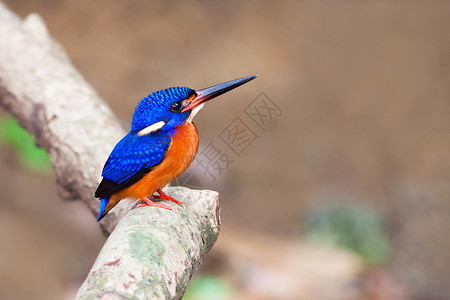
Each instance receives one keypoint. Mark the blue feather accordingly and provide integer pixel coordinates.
(130, 155)
(156, 107)
(103, 203)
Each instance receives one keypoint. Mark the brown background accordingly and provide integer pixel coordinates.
(364, 89)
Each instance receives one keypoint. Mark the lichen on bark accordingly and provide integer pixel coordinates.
(153, 252)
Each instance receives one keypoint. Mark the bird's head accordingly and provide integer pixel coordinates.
(172, 107)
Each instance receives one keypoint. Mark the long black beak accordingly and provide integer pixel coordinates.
(216, 90)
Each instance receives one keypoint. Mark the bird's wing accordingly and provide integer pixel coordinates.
(132, 158)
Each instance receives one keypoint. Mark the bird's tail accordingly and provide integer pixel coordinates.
(103, 211)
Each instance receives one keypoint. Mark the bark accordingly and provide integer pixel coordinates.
(153, 252)
(40, 87)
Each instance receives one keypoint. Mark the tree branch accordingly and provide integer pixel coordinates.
(40, 87)
(152, 253)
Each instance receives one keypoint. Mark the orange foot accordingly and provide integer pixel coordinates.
(149, 202)
(165, 197)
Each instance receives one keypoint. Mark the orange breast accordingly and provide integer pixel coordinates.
(181, 153)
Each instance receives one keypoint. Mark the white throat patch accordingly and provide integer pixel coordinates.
(151, 128)
(194, 112)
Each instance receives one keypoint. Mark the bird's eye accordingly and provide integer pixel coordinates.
(175, 107)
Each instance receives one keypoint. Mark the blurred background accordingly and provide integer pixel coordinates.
(335, 183)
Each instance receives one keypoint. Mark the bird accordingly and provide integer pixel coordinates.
(160, 146)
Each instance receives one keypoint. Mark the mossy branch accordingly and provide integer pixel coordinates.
(153, 252)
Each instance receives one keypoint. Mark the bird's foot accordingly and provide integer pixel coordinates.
(149, 202)
(162, 195)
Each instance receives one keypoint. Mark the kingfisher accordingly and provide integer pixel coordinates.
(160, 146)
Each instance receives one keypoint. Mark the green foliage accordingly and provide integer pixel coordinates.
(353, 227)
(31, 157)
(207, 288)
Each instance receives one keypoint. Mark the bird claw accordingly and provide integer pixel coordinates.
(162, 195)
(149, 202)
